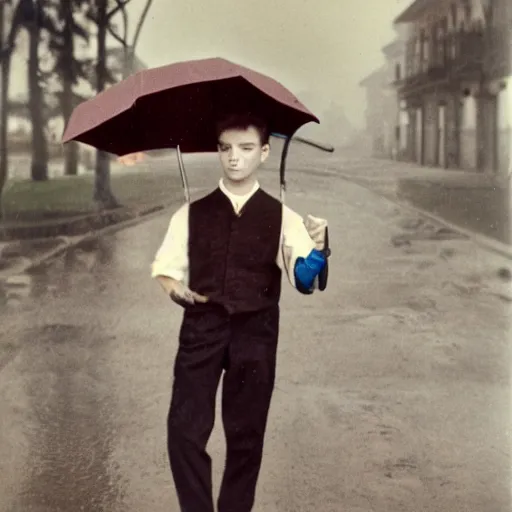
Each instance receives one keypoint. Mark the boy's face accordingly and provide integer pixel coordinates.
(241, 153)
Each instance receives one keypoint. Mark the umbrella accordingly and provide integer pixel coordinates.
(179, 105)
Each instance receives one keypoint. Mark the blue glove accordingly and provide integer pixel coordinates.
(307, 269)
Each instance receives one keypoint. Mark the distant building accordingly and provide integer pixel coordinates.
(386, 123)
(456, 87)
(397, 118)
(377, 122)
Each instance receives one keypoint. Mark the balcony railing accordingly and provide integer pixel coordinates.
(460, 55)
(498, 52)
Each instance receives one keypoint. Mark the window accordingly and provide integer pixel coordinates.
(434, 58)
(465, 23)
(442, 30)
(397, 72)
(424, 51)
(410, 57)
(467, 11)
(453, 16)
(489, 12)
(417, 55)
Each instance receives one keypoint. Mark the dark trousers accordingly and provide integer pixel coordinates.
(244, 347)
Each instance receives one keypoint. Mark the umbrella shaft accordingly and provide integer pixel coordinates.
(282, 169)
(184, 180)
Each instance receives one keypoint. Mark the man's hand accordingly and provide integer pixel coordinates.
(179, 293)
(316, 230)
(182, 295)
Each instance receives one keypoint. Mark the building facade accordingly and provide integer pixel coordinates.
(376, 124)
(455, 89)
(397, 119)
(385, 122)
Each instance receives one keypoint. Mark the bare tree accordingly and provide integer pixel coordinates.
(68, 68)
(103, 17)
(103, 195)
(129, 49)
(35, 23)
(4, 80)
(20, 12)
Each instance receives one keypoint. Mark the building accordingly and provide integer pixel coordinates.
(455, 88)
(397, 124)
(377, 103)
(386, 123)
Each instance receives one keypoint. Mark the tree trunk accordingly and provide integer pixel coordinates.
(103, 195)
(4, 73)
(39, 167)
(71, 157)
(102, 187)
(71, 148)
(4, 116)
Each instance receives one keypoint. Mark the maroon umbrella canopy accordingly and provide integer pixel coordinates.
(179, 105)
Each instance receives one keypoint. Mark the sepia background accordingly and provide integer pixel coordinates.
(395, 393)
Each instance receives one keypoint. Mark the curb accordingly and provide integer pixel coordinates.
(483, 241)
(74, 241)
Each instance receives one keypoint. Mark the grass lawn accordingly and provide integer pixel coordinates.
(28, 200)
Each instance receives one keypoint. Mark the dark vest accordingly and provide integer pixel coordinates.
(232, 258)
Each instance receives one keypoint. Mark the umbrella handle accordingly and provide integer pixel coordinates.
(183, 174)
(323, 277)
(282, 168)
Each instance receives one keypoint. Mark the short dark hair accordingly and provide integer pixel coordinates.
(243, 122)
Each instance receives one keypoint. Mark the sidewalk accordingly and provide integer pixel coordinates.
(33, 233)
(54, 237)
(473, 201)
(475, 204)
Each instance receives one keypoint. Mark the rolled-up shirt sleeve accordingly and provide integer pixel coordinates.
(171, 259)
(295, 242)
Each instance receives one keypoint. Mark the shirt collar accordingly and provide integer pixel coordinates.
(238, 200)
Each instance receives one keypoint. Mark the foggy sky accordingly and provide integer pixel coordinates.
(325, 46)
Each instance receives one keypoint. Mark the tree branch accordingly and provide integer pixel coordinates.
(125, 23)
(121, 4)
(16, 23)
(116, 36)
(140, 24)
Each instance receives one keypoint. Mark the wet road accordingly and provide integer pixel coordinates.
(392, 396)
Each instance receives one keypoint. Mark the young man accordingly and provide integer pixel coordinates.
(222, 259)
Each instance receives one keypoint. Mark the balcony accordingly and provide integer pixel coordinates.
(458, 56)
(498, 53)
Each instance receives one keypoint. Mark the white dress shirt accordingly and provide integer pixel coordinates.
(171, 259)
